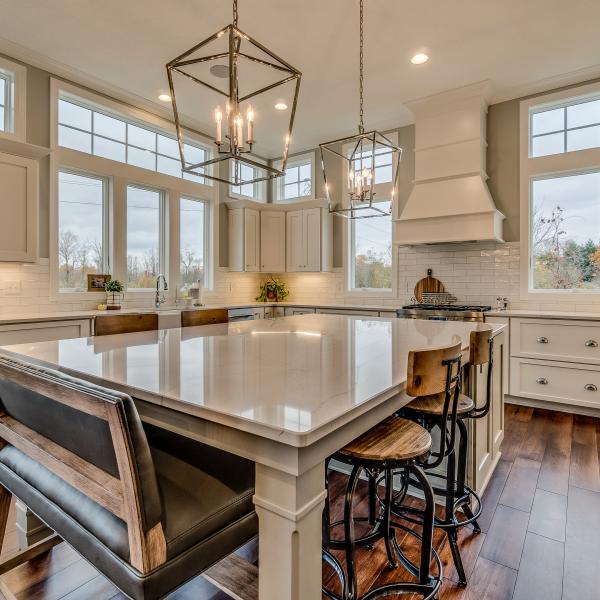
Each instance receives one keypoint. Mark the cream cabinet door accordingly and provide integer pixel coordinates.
(236, 239)
(18, 208)
(272, 241)
(312, 237)
(48, 331)
(296, 247)
(252, 240)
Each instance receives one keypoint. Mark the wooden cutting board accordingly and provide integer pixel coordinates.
(429, 285)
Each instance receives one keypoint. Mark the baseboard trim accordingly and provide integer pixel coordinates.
(556, 406)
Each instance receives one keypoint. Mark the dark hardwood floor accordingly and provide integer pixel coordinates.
(540, 529)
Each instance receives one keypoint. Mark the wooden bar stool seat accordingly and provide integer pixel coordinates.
(434, 404)
(393, 440)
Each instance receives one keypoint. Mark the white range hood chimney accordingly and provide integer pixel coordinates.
(450, 200)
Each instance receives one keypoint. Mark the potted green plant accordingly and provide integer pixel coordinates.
(273, 290)
(114, 293)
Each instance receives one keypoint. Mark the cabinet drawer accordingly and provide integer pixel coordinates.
(555, 382)
(577, 341)
(349, 312)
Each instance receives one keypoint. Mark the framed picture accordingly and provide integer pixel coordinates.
(96, 282)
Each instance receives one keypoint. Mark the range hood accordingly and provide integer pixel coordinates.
(450, 200)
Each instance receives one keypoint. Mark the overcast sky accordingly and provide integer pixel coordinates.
(579, 196)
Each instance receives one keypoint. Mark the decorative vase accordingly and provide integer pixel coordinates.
(272, 296)
(113, 300)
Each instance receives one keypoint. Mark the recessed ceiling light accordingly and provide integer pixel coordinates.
(164, 98)
(419, 59)
(281, 106)
(221, 71)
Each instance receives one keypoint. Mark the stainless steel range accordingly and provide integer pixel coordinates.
(443, 312)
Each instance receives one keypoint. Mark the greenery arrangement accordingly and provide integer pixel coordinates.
(273, 290)
(114, 286)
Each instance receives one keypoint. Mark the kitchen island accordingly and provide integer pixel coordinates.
(285, 393)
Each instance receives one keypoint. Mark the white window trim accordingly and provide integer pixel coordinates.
(294, 161)
(371, 293)
(120, 175)
(18, 102)
(553, 165)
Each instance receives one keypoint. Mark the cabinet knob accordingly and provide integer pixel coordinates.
(591, 344)
(542, 381)
(590, 387)
(542, 340)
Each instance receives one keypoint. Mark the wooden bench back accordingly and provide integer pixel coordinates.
(126, 323)
(92, 438)
(210, 316)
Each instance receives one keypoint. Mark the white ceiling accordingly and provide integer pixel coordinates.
(519, 45)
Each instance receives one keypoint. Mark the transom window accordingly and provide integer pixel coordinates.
(566, 128)
(93, 132)
(383, 164)
(82, 229)
(247, 190)
(297, 183)
(6, 101)
(371, 252)
(3, 102)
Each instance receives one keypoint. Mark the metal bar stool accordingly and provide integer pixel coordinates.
(395, 449)
(462, 504)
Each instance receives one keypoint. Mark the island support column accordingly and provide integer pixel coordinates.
(290, 510)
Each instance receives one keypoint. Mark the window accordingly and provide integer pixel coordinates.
(297, 183)
(193, 238)
(565, 237)
(88, 130)
(247, 190)
(81, 229)
(371, 252)
(4, 111)
(145, 258)
(383, 164)
(560, 195)
(572, 126)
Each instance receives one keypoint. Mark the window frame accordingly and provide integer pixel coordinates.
(15, 76)
(348, 243)
(576, 162)
(106, 246)
(120, 175)
(298, 160)
(259, 187)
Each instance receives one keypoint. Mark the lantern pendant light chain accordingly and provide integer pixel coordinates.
(361, 126)
(235, 13)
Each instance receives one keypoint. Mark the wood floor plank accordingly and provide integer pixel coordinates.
(504, 541)
(521, 484)
(536, 438)
(585, 468)
(514, 435)
(554, 474)
(492, 494)
(541, 569)
(490, 581)
(98, 588)
(581, 572)
(549, 515)
(470, 547)
(517, 412)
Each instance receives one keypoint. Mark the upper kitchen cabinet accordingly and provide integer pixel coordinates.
(244, 240)
(308, 240)
(18, 208)
(272, 241)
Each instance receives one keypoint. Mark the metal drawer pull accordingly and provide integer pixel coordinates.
(591, 344)
(590, 387)
(541, 381)
(542, 340)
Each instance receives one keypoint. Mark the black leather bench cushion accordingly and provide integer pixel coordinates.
(110, 530)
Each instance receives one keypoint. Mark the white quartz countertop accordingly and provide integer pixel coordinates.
(291, 379)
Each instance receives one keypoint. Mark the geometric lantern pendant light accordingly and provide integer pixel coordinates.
(208, 64)
(361, 171)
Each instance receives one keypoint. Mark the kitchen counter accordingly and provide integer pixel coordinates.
(545, 314)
